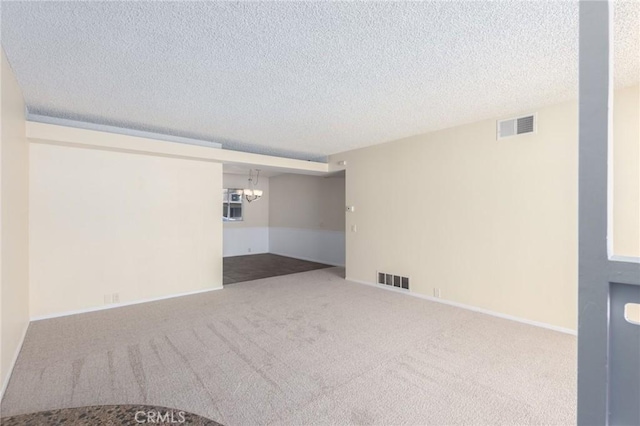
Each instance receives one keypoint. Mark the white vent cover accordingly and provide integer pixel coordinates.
(516, 126)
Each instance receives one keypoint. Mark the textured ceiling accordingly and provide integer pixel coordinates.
(299, 79)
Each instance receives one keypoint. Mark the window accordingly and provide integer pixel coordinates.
(231, 204)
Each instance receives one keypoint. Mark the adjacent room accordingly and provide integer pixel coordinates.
(430, 213)
(294, 224)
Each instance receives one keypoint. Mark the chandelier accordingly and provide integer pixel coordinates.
(251, 193)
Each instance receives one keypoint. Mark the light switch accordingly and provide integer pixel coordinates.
(354, 228)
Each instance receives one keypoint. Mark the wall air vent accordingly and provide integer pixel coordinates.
(393, 280)
(516, 126)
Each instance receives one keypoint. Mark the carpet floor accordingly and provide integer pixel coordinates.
(302, 349)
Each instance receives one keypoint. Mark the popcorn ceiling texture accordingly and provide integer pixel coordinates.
(300, 79)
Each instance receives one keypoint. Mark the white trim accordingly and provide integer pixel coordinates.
(120, 305)
(307, 259)
(469, 307)
(628, 259)
(120, 130)
(610, 173)
(13, 362)
(328, 231)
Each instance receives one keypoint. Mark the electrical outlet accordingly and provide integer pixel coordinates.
(436, 292)
(115, 298)
(249, 250)
(354, 228)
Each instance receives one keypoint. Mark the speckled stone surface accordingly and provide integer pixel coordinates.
(109, 415)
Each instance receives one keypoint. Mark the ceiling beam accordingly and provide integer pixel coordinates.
(106, 141)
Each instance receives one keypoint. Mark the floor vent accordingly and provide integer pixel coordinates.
(393, 280)
(516, 126)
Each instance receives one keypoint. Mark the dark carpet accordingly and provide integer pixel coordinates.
(256, 266)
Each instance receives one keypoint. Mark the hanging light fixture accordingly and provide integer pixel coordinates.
(251, 193)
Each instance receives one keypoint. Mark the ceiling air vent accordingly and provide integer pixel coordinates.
(516, 126)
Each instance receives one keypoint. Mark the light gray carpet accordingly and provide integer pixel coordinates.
(308, 348)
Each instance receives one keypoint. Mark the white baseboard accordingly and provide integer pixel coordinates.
(13, 361)
(120, 305)
(470, 308)
(308, 259)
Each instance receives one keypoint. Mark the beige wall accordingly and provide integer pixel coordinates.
(255, 214)
(144, 145)
(105, 222)
(306, 217)
(309, 202)
(492, 224)
(14, 228)
(626, 172)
